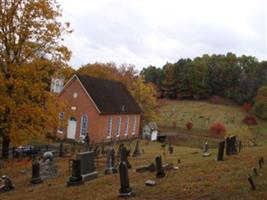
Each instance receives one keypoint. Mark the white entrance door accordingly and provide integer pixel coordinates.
(72, 123)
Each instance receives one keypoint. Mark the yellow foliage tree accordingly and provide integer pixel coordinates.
(29, 33)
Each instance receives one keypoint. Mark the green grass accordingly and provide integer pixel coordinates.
(197, 178)
(202, 114)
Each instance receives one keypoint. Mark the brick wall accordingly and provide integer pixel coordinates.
(97, 123)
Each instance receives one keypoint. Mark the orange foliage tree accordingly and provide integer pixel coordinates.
(30, 31)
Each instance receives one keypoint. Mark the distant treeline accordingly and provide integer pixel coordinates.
(236, 78)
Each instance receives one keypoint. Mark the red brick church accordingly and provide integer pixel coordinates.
(103, 109)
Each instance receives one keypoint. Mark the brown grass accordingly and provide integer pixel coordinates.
(197, 178)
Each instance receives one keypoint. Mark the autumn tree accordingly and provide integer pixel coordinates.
(30, 33)
(144, 93)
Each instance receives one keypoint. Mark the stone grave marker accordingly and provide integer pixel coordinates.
(36, 178)
(159, 169)
(220, 151)
(8, 185)
(48, 168)
(125, 189)
(76, 178)
(255, 171)
(170, 149)
(124, 157)
(137, 151)
(206, 152)
(110, 165)
(231, 145)
(150, 183)
(145, 168)
(251, 182)
(88, 170)
(60, 154)
(260, 163)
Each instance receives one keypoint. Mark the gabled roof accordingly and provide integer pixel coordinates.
(110, 97)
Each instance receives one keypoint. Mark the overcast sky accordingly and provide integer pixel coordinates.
(152, 32)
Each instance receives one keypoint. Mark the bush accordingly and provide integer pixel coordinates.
(250, 120)
(189, 125)
(218, 128)
(247, 106)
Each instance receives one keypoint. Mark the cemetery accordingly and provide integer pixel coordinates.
(142, 100)
(159, 171)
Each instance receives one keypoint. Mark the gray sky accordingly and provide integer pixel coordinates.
(152, 32)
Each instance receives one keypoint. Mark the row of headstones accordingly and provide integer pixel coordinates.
(231, 147)
(255, 174)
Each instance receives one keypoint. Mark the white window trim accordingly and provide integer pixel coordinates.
(134, 125)
(109, 127)
(82, 136)
(118, 130)
(127, 123)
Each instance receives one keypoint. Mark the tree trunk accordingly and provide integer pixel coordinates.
(5, 147)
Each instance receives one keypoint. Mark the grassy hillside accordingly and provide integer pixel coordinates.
(196, 178)
(202, 114)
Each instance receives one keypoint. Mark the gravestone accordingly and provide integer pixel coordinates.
(159, 169)
(146, 168)
(231, 145)
(88, 170)
(48, 168)
(220, 150)
(137, 151)
(119, 149)
(150, 183)
(170, 149)
(260, 163)
(125, 189)
(60, 154)
(251, 182)
(124, 157)
(8, 185)
(110, 165)
(36, 178)
(76, 178)
(206, 149)
(255, 171)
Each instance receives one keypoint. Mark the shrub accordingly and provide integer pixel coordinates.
(189, 125)
(218, 128)
(250, 120)
(215, 99)
(247, 106)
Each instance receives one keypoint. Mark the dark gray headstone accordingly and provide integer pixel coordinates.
(255, 171)
(251, 182)
(125, 189)
(110, 165)
(170, 149)
(60, 154)
(146, 168)
(124, 157)
(76, 178)
(220, 151)
(159, 169)
(36, 178)
(88, 170)
(137, 151)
